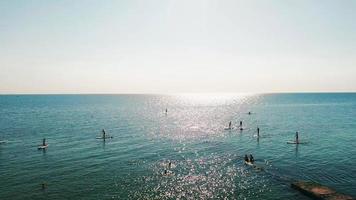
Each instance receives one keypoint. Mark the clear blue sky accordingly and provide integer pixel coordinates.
(177, 46)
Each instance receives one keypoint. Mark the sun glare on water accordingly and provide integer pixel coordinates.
(213, 99)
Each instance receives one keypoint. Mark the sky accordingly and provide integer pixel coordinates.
(177, 46)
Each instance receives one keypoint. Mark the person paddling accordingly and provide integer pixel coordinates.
(230, 125)
(240, 123)
(258, 132)
(43, 186)
(44, 145)
(104, 133)
(296, 137)
(246, 158)
(251, 158)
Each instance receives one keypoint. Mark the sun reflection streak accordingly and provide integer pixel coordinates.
(212, 99)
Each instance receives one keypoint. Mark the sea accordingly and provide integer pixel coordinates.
(206, 160)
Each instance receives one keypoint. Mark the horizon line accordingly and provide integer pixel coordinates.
(184, 93)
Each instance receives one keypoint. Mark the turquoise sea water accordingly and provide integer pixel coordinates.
(206, 159)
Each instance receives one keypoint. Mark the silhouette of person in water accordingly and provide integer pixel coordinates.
(258, 132)
(296, 137)
(246, 158)
(43, 186)
(103, 133)
(230, 125)
(251, 158)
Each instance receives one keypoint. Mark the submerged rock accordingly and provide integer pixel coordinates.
(317, 191)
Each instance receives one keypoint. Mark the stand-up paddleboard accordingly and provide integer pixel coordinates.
(166, 165)
(168, 173)
(253, 165)
(227, 129)
(104, 136)
(107, 137)
(43, 146)
(294, 142)
(248, 163)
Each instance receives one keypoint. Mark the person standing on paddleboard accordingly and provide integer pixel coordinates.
(296, 137)
(246, 158)
(103, 131)
(252, 160)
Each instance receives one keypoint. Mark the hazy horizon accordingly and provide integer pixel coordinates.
(179, 94)
(173, 47)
